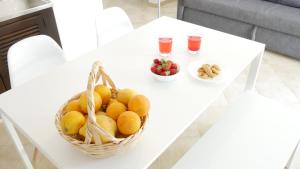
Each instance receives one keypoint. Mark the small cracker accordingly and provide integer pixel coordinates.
(215, 71)
(217, 67)
(205, 76)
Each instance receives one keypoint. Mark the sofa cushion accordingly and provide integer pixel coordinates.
(262, 13)
(292, 3)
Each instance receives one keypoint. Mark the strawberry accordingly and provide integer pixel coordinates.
(156, 61)
(173, 71)
(158, 69)
(169, 65)
(164, 67)
(153, 69)
(173, 66)
(163, 74)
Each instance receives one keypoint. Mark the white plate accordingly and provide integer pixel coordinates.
(195, 65)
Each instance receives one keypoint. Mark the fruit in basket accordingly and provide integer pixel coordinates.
(71, 122)
(128, 123)
(112, 101)
(82, 130)
(124, 95)
(100, 113)
(104, 92)
(126, 126)
(115, 109)
(73, 106)
(164, 67)
(139, 104)
(106, 123)
(83, 100)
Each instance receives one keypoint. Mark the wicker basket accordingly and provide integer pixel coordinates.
(97, 149)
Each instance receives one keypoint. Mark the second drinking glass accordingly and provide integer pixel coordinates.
(194, 43)
(165, 46)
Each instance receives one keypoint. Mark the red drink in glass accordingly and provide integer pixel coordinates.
(165, 46)
(194, 43)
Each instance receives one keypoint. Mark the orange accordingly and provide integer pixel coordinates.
(112, 101)
(125, 95)
(115, 109)
(139, 104)
(128, 123)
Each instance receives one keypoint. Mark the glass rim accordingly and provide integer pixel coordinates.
(165, 39)
(195, 35)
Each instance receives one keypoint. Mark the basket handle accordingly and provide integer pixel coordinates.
(93, 129)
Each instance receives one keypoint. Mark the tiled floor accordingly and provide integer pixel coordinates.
(278, 79)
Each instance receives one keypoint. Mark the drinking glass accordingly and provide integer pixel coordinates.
(165, 46)
(194, 44)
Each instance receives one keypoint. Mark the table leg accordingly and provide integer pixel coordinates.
(253, 72)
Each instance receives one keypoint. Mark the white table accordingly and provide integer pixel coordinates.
(174, 106)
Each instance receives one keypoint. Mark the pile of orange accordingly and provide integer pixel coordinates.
(120, 116)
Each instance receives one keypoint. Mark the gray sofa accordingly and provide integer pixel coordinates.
(278, 26)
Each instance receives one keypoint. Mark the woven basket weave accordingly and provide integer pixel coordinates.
(97, 149)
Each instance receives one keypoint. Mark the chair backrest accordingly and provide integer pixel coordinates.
(32, 57)
(76, 25)
(111, 24)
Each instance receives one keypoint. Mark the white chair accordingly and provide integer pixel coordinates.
(254, 133)
(32, 57)
(76, 25)
(28, 59)
(111, 24)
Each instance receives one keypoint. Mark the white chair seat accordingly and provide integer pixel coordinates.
(253, 133)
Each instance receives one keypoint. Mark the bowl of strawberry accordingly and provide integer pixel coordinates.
(164, 70)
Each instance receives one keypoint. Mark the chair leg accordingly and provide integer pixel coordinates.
(14, 135)
(288, 165)
(35, 154)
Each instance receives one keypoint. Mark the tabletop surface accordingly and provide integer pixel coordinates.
(254, 132)
(174, 105)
